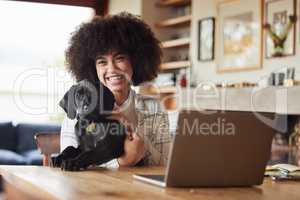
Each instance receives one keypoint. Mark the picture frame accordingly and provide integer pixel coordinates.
(239, 33)
(277, 14)
(206, 39)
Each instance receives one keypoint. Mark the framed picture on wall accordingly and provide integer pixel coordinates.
(206, 39)
(239, 35)
(280, 28)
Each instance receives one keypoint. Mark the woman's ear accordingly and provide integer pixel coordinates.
(68, 103)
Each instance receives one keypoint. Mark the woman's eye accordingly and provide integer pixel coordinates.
(101, 62)
(120, 58)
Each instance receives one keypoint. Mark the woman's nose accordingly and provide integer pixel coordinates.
(111, 66)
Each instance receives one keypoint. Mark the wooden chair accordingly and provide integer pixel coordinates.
(48, 144)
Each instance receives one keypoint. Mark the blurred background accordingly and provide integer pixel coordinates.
(33, 39)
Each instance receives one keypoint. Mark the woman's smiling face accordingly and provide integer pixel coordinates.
(114, 70)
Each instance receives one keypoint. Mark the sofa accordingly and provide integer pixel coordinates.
(17, 143)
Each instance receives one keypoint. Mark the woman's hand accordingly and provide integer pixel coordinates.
(134, 149)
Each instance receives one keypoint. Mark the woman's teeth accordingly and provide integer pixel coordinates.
(113, 78)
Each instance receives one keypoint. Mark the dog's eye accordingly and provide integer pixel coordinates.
(85, 108)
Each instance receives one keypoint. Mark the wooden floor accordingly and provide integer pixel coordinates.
(32, 182)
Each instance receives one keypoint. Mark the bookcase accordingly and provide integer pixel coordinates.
(170, 20)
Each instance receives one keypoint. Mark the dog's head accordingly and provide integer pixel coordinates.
(87, 100)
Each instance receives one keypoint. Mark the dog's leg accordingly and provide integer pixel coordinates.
(68, 153)
(85, 159)
(82, 161)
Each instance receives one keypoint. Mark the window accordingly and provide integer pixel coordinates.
(33, 39)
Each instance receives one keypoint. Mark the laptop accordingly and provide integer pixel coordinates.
(219, 149)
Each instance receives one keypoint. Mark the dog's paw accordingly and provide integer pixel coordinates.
(56, 161)
(72, 165)
(69, 165)
(69, 153)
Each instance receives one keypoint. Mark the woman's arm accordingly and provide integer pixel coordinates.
(69, 138)
(154, 129)
(67, 134)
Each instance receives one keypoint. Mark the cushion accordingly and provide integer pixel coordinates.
(11, 158)
(7, 136)
(33, 157)
(25, 135)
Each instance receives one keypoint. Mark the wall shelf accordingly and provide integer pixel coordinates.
(175, 65)
(173, 2)
(163, 90)
(176, 43)
(174, 21)
(158, 90)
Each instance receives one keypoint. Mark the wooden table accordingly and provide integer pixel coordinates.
(32, 182)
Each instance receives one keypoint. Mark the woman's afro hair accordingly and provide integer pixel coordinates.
(123, 33)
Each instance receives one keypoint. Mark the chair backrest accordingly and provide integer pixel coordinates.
(48, 143)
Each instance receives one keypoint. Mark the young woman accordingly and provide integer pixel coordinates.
(121, 51)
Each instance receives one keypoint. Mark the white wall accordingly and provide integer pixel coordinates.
(206, 71)
(132, 6)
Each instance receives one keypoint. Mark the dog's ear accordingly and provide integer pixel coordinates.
(68, 103)
(106, 100)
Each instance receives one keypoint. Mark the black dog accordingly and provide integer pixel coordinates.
(100, 139)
